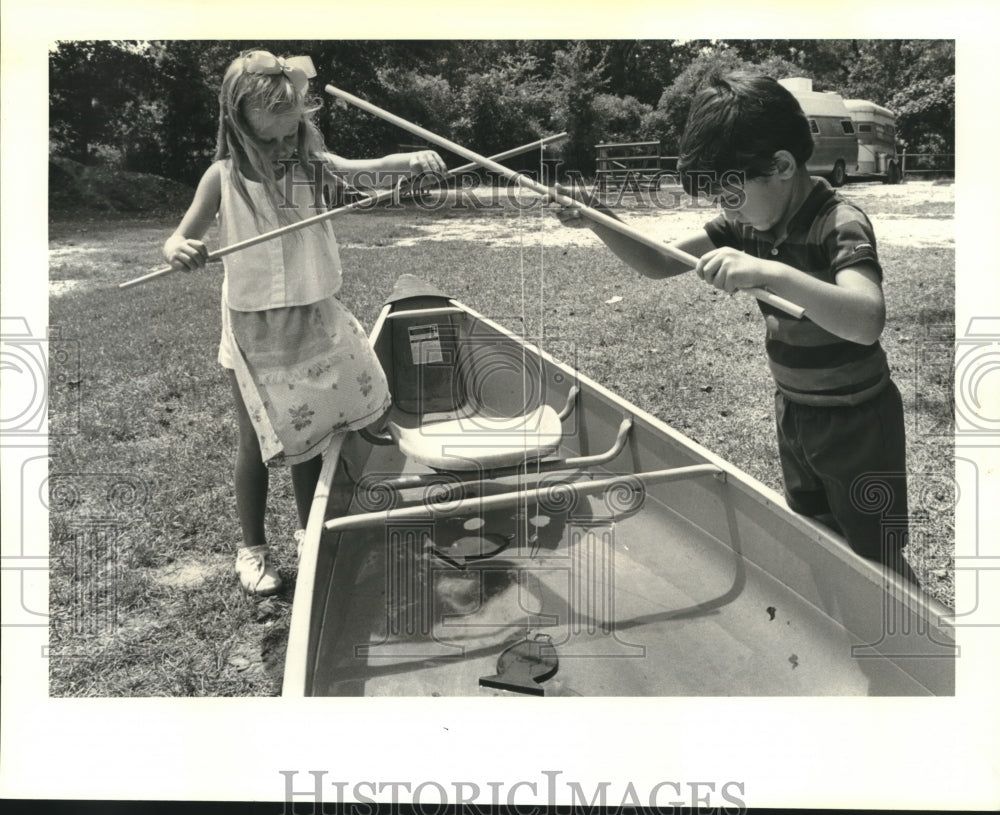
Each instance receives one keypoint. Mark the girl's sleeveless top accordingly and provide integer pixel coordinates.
(296, 269)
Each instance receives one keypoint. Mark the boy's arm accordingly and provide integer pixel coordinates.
(852, 307)
(644, 259)
(184, 249)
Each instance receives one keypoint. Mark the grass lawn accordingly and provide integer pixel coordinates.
(143, 599)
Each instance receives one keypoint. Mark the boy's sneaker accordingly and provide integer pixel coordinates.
(255, 570)
(300, 540)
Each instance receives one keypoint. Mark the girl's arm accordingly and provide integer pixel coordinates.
(372, 173)
(184, 249)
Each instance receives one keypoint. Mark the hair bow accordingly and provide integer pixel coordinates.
(298, 69)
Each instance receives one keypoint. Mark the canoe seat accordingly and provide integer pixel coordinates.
(478, 442)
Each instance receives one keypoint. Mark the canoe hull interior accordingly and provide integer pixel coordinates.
(692, 586)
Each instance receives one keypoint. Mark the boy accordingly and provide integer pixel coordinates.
(839, 415)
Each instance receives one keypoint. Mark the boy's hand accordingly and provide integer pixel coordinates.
(730, 269)
(185, 253)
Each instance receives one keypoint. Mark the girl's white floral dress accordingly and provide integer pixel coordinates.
(304, 365)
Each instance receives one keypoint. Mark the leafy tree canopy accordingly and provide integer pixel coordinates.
(152, 106)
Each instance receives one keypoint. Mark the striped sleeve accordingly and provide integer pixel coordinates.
(848, 239)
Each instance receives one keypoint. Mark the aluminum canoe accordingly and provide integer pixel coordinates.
(615, 557)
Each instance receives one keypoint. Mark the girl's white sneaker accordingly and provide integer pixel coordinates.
(255, 570)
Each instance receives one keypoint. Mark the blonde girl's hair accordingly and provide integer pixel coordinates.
(243, 91)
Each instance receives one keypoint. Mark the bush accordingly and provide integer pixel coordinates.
(502, 107)
(619, 117)
(76, 188)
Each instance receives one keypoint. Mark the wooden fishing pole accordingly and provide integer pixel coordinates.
(368, 201)
(553, 194)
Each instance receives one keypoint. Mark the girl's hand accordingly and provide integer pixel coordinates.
(427, 162)
(569, 214)
(730, 269)
(185, 253)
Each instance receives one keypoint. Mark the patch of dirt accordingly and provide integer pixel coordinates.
(188, 574)
(538, 226)
(60, 287)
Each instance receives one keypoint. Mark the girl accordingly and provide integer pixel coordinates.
(300, 367)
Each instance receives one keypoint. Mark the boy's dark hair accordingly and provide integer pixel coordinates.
(737, 123)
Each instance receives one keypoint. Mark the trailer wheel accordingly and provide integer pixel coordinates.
(893, 175)
(839, 174)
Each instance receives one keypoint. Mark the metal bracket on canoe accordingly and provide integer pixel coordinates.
(570, 405)
(380, 439)
(517, 498)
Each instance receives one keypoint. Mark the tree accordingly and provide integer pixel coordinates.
(153, 105)
(619, 118)
(188, 77)
(426, 100)
(641, 68)
(577, 78)
(675, 102)
(925, 115)
(916, 80)
(826, 62)
(99, 92)
(501, 106)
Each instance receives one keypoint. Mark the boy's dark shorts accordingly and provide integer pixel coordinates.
(848, 462)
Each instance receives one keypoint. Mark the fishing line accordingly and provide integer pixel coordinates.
(541, 251)
(541, 289)
(524, 353)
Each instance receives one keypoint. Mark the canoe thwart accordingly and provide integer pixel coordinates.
(516, 498)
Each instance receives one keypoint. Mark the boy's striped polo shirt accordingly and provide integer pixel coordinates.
(809, 364)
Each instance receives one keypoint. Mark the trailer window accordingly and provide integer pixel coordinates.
(864, 128)
(848, 127)
(813, 127)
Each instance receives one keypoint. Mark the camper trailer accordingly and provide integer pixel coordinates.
(876, 129)
(835, 153)
(851, 137)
